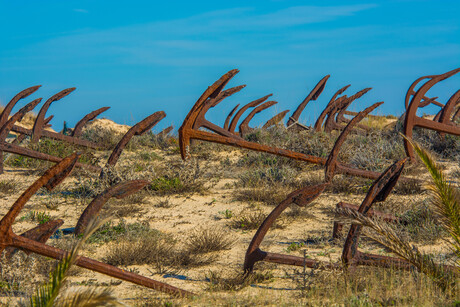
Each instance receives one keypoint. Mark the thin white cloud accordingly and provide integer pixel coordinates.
(235, 36)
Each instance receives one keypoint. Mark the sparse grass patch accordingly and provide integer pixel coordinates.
(106, 138)
(419, 224)
(146, 249)
(182, 178)
(150, 156)
(408, 187)
(447, 147)
(153, 248)
(54, 148)
(270, 196)
(270, 176)
(164, 204)
(248, 219)
(35, 216)
(110, 232)
(8, 187)
(252, 218)
(235, 281)
(349, 185)
(204, 240)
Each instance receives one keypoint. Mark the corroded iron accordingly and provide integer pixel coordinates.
(9, 239)
(229, 117)
(201, 120)
(275, 119)
(165, 131)
(314, 94)
(413, 101)
(188, 132)
(13, 148)
(302, 198)
(241, 111)
(41, 122)
(328, 108)
(338, 226)
(350, 254)
(379, 191)
(138, 129)
(40, 233)
(335, 115)
(244, 126)
(120, 190)
(77, 130)
(38, 125)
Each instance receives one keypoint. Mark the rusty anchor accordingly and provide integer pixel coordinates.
(50, 179)
(7, 125)
(190, 130)
(416, 99)
(302, 198)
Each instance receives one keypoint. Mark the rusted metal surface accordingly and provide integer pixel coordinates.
(202, 122)
(445, 114)
(41, 122)
(187, 132)
(9, 239)
(275, 119)
(413, 101)
(229, 117)
(328, 108)
(379, 191)
(244, 126)
(138, 129)
(41, 234)
(351, 256)
(6, 127)
(302, 198)
(165, 131)
(314, 94)
(77, 130)
(119, 191)
(9, 107)
(38, 125)
(335, 115)
(332, 163)
(338, 226)
(240, 112)
(57, 136)
(12, 148)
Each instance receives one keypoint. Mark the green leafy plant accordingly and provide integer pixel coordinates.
(446, 203)
(51, 294)
(227, 214)
(34, 216)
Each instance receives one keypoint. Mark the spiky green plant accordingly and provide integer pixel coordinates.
(50, 294)
(445, 199)
(386, 235)
(446, 203)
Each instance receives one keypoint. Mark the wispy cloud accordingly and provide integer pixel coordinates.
(189, 41)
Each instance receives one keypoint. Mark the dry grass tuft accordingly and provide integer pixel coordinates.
(248, 219)
(8, 187)
(235, 281)
(204, 240)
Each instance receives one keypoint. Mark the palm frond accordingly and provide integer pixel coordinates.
(46, 295)
(88, 297)
(446, 198)
(386, 235)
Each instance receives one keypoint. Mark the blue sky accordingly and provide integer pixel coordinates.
(139, 57)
